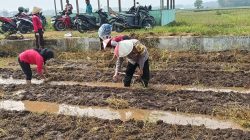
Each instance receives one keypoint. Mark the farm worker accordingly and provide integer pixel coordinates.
(68, 8)
(137, 56)
(88, 7)
(106, 40)
(37, 57)
(38, 28)
(104, 33)
(21, 13)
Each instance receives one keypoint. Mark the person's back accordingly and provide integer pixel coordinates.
(31, 56)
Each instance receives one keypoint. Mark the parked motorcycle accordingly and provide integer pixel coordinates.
(87, 22)
(139, 18)
(8, 24)
(62, 22)
(25, 24)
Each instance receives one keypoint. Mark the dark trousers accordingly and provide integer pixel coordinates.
(102, 47)
(39, 39)
(26, 69)
(131, 70)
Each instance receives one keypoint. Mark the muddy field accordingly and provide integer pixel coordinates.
(182, 101)
(45, 126)
(209, 70)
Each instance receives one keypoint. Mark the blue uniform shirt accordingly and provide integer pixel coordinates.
(88, 9)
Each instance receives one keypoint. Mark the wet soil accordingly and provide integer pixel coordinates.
(170, 76)
(181, 101)
(26, 125)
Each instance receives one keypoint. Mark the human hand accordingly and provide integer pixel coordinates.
(115, 77)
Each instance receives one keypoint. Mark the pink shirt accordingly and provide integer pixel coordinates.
(32, 57)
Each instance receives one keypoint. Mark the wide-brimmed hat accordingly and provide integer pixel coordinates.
(36, 10)
(124, 48)
(106, 42)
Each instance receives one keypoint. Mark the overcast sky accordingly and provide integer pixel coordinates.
(11, 5)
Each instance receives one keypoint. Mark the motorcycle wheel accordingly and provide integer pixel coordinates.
(82, 28)
(60, 26)
(23, 29)
(148, 24)
(119, 29)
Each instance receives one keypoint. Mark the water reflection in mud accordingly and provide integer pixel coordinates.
(120, 85)
(123, 114)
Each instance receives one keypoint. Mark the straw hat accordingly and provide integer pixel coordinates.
(124, 48)
(36, 10)
(106, 42)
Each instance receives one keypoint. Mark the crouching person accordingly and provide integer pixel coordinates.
(137, 56)
(37, 57)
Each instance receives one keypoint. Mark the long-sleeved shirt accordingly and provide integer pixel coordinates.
(135, 58)
(117, 39)
(32, 57)
(37, 23)
(89, 9)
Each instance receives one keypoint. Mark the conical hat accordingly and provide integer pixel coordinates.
(105, 42)
(124, 47)
(36, 10)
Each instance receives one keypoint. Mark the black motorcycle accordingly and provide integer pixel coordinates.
(8, 24)
(87, 22)
(25, 24)
(139, 18)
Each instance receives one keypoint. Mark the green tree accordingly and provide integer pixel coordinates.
(198, 4)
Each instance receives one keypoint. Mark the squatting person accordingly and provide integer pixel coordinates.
(37, 57)
(137, 56)
(38, 27)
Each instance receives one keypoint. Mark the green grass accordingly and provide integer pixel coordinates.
(195, 23)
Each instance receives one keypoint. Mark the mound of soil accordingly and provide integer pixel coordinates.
(170, 76)
(26, 125)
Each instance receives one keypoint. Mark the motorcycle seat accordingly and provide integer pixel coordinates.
(127, 15)
(91, 17)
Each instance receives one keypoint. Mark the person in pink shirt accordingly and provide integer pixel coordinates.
(35, 57)
(38, 27)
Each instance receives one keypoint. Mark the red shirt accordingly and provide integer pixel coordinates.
(32, 57)
(118, 38)
(37, 23)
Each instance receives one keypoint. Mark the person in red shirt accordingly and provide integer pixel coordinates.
(38, 27)
(37, 57)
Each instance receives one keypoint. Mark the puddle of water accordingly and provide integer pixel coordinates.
(18, 81)
(12, 105)
(238, 90)
(123, 114)
(92, 84)
(41, 107)
(120, 85)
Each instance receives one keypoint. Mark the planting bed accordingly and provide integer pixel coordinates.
(211, 70)
(44, 126)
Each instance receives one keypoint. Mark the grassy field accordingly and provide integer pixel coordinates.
(207, 23)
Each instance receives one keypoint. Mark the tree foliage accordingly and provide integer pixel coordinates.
(198, 4)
